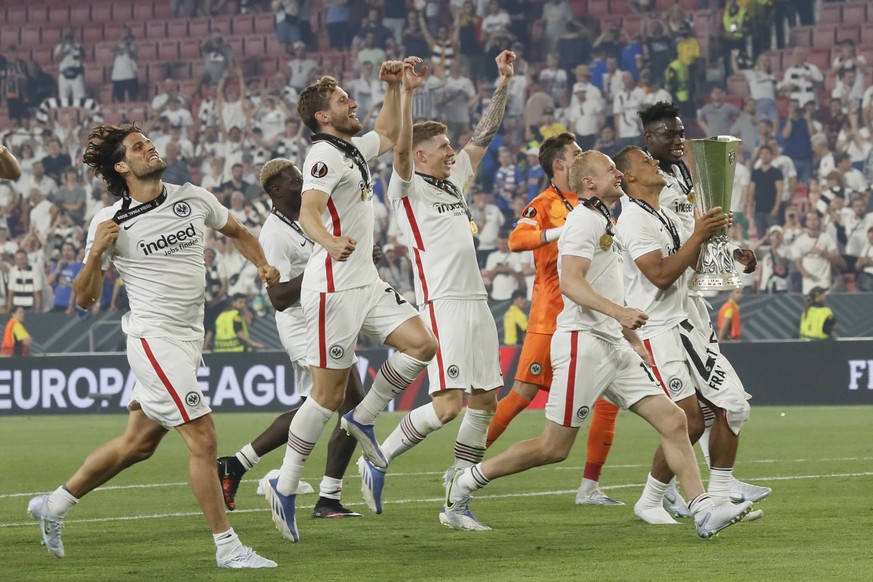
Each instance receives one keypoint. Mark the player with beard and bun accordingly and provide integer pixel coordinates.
(595, 351)
(537, 230)
(288, 248)
(154, 236)
(342, 294)
(664, 135)
(427, 194)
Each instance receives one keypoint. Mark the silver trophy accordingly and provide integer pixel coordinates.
(713, 162)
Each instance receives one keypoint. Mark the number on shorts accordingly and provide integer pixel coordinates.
(648, 372)
(400, 300)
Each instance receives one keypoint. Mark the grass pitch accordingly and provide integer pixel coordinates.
(145, 524)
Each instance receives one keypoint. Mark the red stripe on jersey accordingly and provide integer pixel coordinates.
(165, 381)
(410, 215)
(439, 354)
(571, 380)
(657, 372)
(421, 276)
(322, 331)
(337, 231)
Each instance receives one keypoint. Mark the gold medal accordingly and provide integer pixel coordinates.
(692, 197)
(364, 191)
(474, 228)
(606, 241)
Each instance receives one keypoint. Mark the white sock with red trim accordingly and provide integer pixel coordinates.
(399, 371)
(306, 426)
(414, 427)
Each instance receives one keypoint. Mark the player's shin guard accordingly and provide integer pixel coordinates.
(414, 427)
(507, 409)
(306, 427)
(398, 372)
(470, 444)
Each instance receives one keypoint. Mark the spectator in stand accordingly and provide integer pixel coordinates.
(287, 14)
(300, 67)
(415, 41)
(794, 136)
(676, 20)
(631, 58)
(24, 288)
(746, 127)
(39, 181)
(69, 55)
(849, 60)
(469, 35)
(854, 181)
(489, 220)
(864, 264)
(39, 86)
(802, 80)
(556, 15)
(236, 181)
(586, 114)
(189, 7)
(765, 192)
(55, 160)
(775, 259)
(550, 126)
(553, 79)
(179, 116)
(689, 53)
(854, 138)
(728, 323)
(443, 48)
(508, 181)
(124, 75)
(735, 31)
(459, 96)
(16, 340)
(612, 83)
(606, 142)
(61, 279)
(14, 80)
(218, 57)
(573, 47)
(815, 254)
(71, 195)
(680, 85)
(337, 19)
(395, 18)
(626, 108)
(846, 89)
(822, 157)
(504, 270)
(370, 51)
(535, 176)
(515, 319)
(658, 49)
(740, 193)
(856, 221)
(396, 270)
(760, 18)
(372, 23)
(717, 116)
(762, 85)
(170, 90)
(784, 164)
(232, 108)
(62, 230)
(610, 43)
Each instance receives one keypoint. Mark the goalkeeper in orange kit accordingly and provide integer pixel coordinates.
(538, 230)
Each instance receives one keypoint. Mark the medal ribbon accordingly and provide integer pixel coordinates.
(450, 189)
(668, 224)
(563, 198)
(127, 213)
(597, 204)
(284, 218)
(351, 151)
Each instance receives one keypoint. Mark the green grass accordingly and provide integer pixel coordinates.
(818, 523)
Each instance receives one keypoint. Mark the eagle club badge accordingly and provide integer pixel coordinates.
(605, 241)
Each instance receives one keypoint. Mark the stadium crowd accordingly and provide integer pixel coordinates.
(803, 184)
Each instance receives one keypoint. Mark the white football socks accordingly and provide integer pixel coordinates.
(414, 427)
(306, 426)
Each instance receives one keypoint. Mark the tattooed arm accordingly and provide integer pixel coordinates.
(487, 127)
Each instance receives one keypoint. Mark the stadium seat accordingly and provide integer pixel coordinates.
(198, 28)
(94, 75)
(855, 12)
(632, 24)
(81, 15)
(802, 35)
(122, 12)
(51, 35)
(244, 25)
(579, 7)
(15, 15)
(148, 50)
(143, 11)
(867, 51)
(222, 23)
(820, 57)
(30, 36)
(237, 43)
(620, 7)
(264, 23)
(867, 35)
(42, 54)
(850, 31)
(255, 46)
(168, 49)
(103, 52)
(155, 29)
(92, 34)
(37, 14)
(102, 13)
(177, 29)
(189, 48)
(831, 14)
(9, 35)
(599, 9)
(163, 10)
(822, 35)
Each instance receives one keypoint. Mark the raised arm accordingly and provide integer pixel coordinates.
(403, 162)
(388, 122)
(487, 127)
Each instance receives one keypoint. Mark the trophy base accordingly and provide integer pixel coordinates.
(715, 282)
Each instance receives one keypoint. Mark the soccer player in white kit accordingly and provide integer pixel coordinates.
(342, 294)
(596, 351)
(658, 253)
(288, 248)
(427, 194)
(664, 135)
(154, 236)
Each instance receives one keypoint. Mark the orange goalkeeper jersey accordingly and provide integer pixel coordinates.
(545, 211)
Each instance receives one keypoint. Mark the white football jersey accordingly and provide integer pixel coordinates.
(582, 237)
(159, 254)
(288, 250)
(641, 233)
(674, 197)
(438, 233)
(347, 213)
